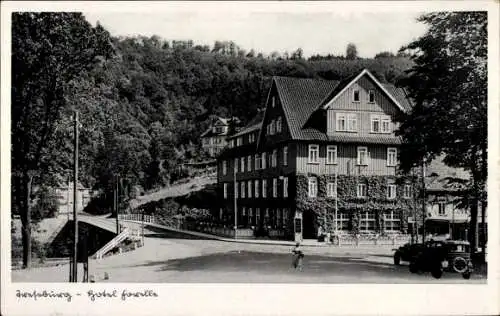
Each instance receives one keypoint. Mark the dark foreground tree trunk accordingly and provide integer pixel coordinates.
(25, 212)
(473, 225)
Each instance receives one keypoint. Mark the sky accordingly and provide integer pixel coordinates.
(315, 31)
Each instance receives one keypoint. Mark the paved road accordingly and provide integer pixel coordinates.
(168, 257)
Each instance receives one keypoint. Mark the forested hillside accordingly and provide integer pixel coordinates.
(142, 112)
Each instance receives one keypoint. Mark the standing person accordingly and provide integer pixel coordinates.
(298, 257)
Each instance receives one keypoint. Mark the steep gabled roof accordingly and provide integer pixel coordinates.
(300, 98)
(345, 84)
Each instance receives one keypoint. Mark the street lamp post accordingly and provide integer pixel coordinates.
(142, 228)
(336, 203)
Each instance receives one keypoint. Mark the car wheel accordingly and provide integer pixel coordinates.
(466, 275)
(437, 273)
(413, 267)
(397, 259)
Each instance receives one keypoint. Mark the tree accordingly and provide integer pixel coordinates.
(449, 87)
(351, 51)
(49, 50)
(384, 55)
(297, 54)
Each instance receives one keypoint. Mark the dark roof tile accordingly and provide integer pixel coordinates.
(300, 98)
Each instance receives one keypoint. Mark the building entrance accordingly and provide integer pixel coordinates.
(310, 226)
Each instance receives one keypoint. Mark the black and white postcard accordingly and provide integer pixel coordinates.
(253, 158)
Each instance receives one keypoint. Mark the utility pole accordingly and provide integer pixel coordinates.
(116, 202)
(75, 219)
(423, 201)
(235, 201)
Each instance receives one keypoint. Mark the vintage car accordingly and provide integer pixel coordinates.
(406, 252)
(439, 256)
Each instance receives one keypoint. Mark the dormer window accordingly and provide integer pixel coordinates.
(371, 96)
(278, 125)
(355, 96)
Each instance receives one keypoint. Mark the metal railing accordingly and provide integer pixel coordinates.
(112, 244)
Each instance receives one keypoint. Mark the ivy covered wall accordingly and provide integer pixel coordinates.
(376, 200)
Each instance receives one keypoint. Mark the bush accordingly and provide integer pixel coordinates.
(38, 249)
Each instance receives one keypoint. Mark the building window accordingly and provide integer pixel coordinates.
(264, 188)
(243, 190)
(272, 128)
(225, 190)
(355, 96)
(278, 125)
(362, 156)
(279, 218)
(375, 123)
(285, 156)
(371, 96)
(392, 154)
(391, 221)
(331, 154)
(441, 206)
(250, 216)
(257, 216)
(361, 190)
(342, 221)
(273, 102)
(313, 187)
(275, 187)
(341, 122)
(407, 191)
(236, 190)
(391, 191)
(251, 138)
(347, 122)
(352, 122)
(263, 160)
(239, 141)
(249, 163)
(242, 168)
(313, 154)
(236, 164)
(331, 189)
(285, 187)
(367, 222)
(224, 167)
(250, 191)
(257, 188)
(274, 160)
(386, 125)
